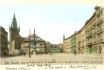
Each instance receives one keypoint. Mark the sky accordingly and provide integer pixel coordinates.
(51, 21)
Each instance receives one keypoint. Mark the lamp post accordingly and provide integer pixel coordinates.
(29, 52)
(34, 42)
(29, 44)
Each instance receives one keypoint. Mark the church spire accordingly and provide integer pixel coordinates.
(14, 15)
(14, 22)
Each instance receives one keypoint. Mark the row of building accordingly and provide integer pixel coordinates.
(3, 40)
(31, 43)
(90, 38)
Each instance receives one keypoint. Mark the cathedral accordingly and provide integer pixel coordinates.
(15, 39)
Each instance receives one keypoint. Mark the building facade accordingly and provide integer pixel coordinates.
(48, 47)
(83, 39)
(55, 48)
(61, 47)
(68, 45)
(90, 38)
(73, 43)
(40, 45)
(79, 43)
(3, 41)
(95, 32)
(16, 43)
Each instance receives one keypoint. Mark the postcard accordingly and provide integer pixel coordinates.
(51, 34)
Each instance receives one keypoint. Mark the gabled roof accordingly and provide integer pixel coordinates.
(32, 36)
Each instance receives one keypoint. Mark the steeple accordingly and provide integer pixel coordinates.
(14, 29)
(63, 37)
(14, 22)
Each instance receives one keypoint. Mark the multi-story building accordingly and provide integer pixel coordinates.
(90, 38)
(55, 48)
(3, 41)
(83, 39)
(40, 45)
(78, 42)
(48, 47)
(68, 45)
(95, 32)
(73, 43)
(61, 46)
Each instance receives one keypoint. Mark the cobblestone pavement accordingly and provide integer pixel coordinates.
(55, 58)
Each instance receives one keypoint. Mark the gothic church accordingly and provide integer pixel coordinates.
(15, 39)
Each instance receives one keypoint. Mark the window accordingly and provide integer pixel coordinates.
(98, 15)
(40, 44)
(99, 26)
(99, 37)
(94, 38)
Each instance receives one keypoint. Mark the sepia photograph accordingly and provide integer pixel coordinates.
(50, 35)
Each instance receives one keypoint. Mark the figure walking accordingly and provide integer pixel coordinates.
(24, 53)
(74, 52)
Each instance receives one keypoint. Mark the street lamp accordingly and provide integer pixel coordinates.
(33, 39)
(29, 43)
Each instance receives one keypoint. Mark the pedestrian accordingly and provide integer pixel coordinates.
(24, 53)
(36, 52)
(29, 54)
(74, 52)
(51, 53)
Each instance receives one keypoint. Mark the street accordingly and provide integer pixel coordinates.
(55, 58)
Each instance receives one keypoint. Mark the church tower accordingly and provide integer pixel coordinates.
(14, 33)
(13, 29)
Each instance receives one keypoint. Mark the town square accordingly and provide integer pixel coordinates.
(52, 35)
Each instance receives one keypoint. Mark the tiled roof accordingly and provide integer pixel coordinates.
(26, 39)
(32, 35)
(55, 45)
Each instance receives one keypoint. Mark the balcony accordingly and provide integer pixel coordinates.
(89, 44)
(102, 40)
(90, 35)
(100, 30)
(93, 42)
(98, 41)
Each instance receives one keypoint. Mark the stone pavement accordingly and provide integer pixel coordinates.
(55, 58)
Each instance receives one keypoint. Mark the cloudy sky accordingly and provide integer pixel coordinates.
(51, 21)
